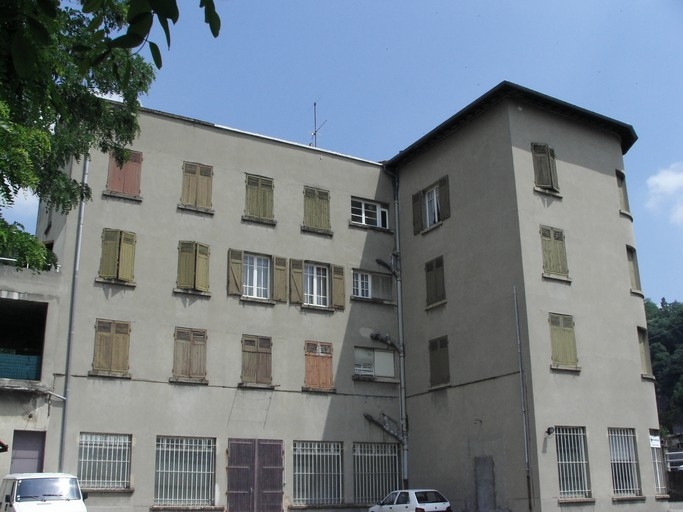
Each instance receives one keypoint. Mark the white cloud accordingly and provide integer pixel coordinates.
(24, 210)
(665, 192)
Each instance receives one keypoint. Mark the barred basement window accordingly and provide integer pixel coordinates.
(572, 462)
(318, 473)
(104, 461)
(624, 462)
(658, 463)
(375, 471)
(185, 471)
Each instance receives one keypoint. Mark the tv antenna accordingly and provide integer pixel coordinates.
(316, 128)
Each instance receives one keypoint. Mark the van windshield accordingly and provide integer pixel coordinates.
(46, 489)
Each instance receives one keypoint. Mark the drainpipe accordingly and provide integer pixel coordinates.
(525, 410)
(72, 311)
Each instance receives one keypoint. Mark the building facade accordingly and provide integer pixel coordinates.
(211, 340)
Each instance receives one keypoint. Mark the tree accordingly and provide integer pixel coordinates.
(665, 333)
(59, 61)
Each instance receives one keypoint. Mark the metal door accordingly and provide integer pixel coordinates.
(28, 449)
(255, 469)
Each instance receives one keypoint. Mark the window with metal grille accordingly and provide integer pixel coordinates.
(572, 462)
(375, 471)
(658, 463)
(318, 473)
(104, 460)
(624, 462)
(369, 213)
(185, 471)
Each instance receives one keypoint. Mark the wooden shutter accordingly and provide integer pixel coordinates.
(438, 361)
(264, 365)
(338, 294)
(382, 287)
(280, 279)
(249, 358)
(318, 365)
(418, 213)
(104, 336)
(323, 215)
(181, 352)
(197, 366)
(545, 171)
(562, 339)
(202, 268)
(131, 174)
(204, 186)
(296, 281)
(316, 208)
(114, 176)
(444, 199)
(110, 253)
(127, 256)
(188, 195)
(120, 347)
(234, 272)
(554, 251)
(186, 258)
(253, 196)
(434, 274)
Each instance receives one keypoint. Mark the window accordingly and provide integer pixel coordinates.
(436, 289)
(112, 342)
(644, 347)
(118, 255)
(318, 474)
(370, 362)
(104, 461)
(193, 266)
(197, 185)
(431, 205)
(633, 269)
(125, 180)
(371, 285)
(572, 462)
(256, 359)
(624, 462)
(554, 252)
(658, 463)
(259, 200)
(316, 209)
(250, 276)
(185, 471)
(563, 341)
(439, 365)
(369, 213)
(309, 284)
(623, 195)
(545, 171)
(318, 366)
(375, 471)
(189, 355)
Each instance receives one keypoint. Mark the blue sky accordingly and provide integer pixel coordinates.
(385, 72)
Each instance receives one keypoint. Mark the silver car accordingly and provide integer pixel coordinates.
(413, 500)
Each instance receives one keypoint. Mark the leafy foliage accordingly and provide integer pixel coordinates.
(665, 332)
(15, 243)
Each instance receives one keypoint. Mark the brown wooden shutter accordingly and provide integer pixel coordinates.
(318, 365)
(338, 293)
(104, 337)
(444, 199)
(439, 282)
(234, 272)
(249, 358)
(264, 371)
(127, 256)
(202, 269)
(197, 367)
(296, 281)
(114, 176)
(418, 213)
(181, 353)
(120, 347)
(109, 258)
(204, 186)
(131, 174)
(188, 195)
(280, 279)
(186, 265)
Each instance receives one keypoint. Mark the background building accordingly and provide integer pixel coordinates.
(226, 289)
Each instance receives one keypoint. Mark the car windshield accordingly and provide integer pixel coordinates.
(429, 497)
(43, 489)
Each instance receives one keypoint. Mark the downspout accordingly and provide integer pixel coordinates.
(525, 411)
(72, 312)
(396, 264)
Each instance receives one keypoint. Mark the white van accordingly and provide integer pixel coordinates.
(44, 492)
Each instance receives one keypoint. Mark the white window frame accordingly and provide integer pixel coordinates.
(362, 285)
(432, 207)
(369, 213)
(624, 462)
(318, 472)
(374, 363)
(316, 285)
(256, 276)
(369, 285)
(572, 462)
(104, 460)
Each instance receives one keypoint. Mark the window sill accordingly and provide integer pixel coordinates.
(256, 300)
(659, 497)
(121, 195)
(621, 499)
(109, 375)
(258, 220)
(556, 277)
(648, 376)
(627, 214)
(439, 387)
(321, 309)
(434, 226)
(317, 231)
(548, 192)
(371, 300)
(197, 209)
(565, 368)
(319, 391)
(368, 227)
(435, 305)
(187, 291)
(638, 293)
(573, 501)
(183, 507)
(256, 385)
(188, 380)
(372, 378)
(118, 282)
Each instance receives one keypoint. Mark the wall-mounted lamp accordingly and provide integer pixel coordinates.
(550, 431)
